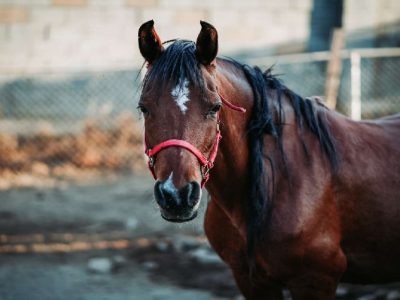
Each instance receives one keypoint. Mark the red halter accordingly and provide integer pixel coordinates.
(205, 163)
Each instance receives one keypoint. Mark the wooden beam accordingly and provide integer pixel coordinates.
(334, 69)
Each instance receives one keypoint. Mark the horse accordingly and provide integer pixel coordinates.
(300, 196)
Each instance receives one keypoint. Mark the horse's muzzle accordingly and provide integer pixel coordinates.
(177, 205)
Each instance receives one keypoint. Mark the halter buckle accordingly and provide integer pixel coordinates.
(151, 161)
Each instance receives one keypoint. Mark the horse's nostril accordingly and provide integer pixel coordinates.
(190, 193)
(159, 194)
(166, 195)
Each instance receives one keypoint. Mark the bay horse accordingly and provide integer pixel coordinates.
(301, 197)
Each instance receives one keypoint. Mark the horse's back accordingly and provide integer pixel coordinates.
(394, 118)
(372, 143)
(391, 125)
(389, 134)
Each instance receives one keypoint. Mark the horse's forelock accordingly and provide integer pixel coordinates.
(176, 64)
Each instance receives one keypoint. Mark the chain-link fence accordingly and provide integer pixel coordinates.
(68, 126)
(378, 86)
(65, 125)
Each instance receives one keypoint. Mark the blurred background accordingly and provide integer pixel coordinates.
(77, 216)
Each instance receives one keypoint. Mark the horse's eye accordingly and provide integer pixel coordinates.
(143, 110)
(216, 108)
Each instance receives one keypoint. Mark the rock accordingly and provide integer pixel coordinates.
(184, 243)
(367, 297)
(342, 291)
(393, 295)
(205, 256)
(101, 265)
(150, 265)
(132, 223)
(119, 261)
(286, 295)
(162, 246)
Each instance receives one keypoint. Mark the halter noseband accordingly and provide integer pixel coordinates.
(206, 164)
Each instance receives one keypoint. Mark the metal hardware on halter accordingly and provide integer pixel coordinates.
(151, 161)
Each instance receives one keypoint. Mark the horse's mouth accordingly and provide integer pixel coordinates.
(179, 218)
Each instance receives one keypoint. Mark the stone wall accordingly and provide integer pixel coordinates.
(59, 35)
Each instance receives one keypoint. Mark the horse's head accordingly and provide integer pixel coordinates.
(180, 105)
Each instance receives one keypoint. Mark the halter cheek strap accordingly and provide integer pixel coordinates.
(206, 163)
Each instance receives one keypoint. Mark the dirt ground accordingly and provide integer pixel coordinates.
(106, 240)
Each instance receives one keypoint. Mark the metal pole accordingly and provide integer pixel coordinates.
(355, 60)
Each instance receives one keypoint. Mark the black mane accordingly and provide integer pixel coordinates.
(264, 121)
(178, 62)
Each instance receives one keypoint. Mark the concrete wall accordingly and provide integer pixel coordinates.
(87, 34)
(373, 14)
(48, 35)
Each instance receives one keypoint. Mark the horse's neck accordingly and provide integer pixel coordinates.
(230, 182)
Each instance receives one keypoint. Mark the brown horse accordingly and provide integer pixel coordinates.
(300, 196)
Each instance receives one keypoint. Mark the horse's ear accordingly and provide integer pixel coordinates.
(149, 42)
(207, 44)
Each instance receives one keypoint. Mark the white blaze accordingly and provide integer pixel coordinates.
(169, 185)
(180, 93)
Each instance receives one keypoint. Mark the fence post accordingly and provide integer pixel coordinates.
(355, 61)
(334, 69)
